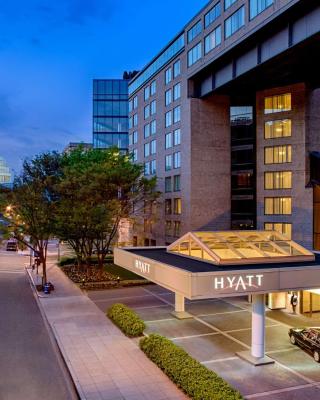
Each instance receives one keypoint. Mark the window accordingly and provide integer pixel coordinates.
(176, 69)
(176, 228)
(277, 206)
(176, 183)
(135, 137)
(153, 167)
(135, 102)
(278, 154)
(168, 206)
(153, 127)
(168, 142)
(168, 97)
(167, 184)
(147, 149)
(194, 54)
(146, 131)
(234, 22)
(168, 228)
(147, 111)
(278, 180)
(130, 139)
(277, 129)
(176, 114)
(153, 147)
(177, 159)
(168, 75)
(277, 103)
(130, 106)
(194, 31)
(153, 88)
(257, 6)
(177, 206)
(153, 107)
(212, 40)
(176, 91)
(228, 3)
(168, 119)
(146, 92)
(177, 137)
(147, 168)
(212, 15)
(135, 155)
(168, 162)
(135, 120)
(284, 228)
(130, 122)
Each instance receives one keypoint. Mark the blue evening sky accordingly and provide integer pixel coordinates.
(51, 50)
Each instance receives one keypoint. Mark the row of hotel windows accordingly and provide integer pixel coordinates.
(171, 138)
(231, 25)
(149, 91)
(150, 167)
(173, 228)
(177, 208)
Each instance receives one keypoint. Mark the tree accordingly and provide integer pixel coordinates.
(29, 208)
(98, 188)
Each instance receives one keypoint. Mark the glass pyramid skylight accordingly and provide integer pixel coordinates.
(240, 247)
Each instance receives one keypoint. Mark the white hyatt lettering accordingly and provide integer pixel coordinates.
(142, 266)
(219, 282)
(238, 282)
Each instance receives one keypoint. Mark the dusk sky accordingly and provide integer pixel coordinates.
(51, 51)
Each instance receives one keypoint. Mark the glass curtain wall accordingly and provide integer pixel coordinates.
(110, 113)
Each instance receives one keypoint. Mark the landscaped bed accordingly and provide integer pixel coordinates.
(93, 279)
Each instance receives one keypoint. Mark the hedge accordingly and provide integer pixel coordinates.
(197, 381)
(127, 320)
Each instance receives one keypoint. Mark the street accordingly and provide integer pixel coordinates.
(30, 366)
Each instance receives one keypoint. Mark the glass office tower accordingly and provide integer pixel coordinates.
(110, 113)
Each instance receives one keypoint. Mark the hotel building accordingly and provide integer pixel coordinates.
(227, 116)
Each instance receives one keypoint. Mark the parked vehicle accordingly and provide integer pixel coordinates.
(12, 245)
(308, 339)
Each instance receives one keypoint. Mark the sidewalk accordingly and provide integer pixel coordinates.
(103, 362)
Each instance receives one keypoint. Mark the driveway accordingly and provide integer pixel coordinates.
(218, 330)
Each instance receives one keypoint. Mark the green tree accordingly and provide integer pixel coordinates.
(30, 207)
(98, 188)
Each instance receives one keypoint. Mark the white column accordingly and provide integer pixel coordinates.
(258, 326)
(179, 303)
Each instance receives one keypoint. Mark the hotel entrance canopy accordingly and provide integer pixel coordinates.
(204, 265)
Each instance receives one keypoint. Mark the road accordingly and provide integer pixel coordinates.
(30, 366)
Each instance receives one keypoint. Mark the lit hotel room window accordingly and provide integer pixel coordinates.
(277, 206)
(277, 129)
(277, 103)
(278, 154)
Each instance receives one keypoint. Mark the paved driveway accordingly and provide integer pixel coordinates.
(218, 330)
(29, 366)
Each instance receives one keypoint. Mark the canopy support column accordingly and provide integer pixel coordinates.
(257, 354)
(179, 309)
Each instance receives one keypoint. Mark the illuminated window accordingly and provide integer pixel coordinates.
(277, 206)
(176, 228)
(277, 103)
(278, 154)
(284, 228)
(278, 180)
(177, 206)
(277, 129)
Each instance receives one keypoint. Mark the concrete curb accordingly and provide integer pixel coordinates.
(55, 339)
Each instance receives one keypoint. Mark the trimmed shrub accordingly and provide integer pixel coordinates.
(126, 319)
(197, 381)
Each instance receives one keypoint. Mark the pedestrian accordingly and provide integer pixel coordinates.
(294, 302)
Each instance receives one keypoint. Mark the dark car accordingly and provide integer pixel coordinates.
(308, 339)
